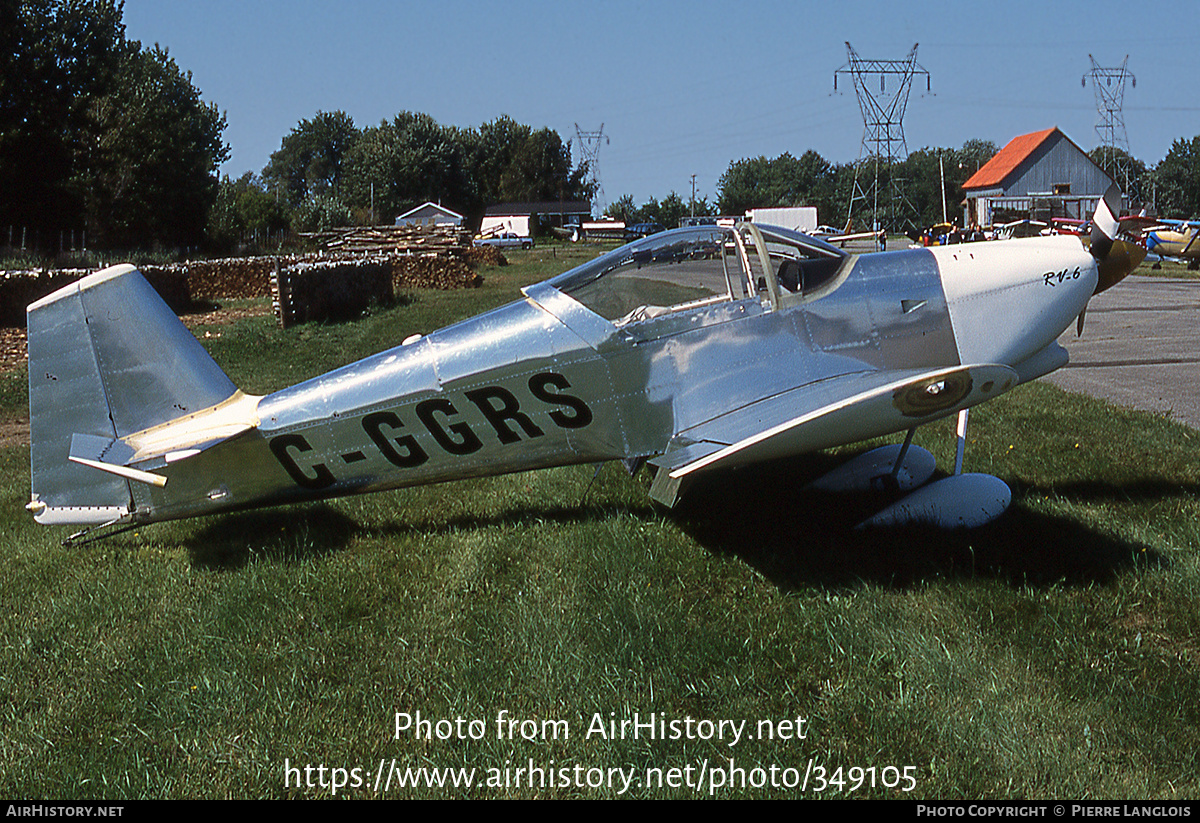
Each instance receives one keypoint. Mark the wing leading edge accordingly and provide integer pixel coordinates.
(817, 416)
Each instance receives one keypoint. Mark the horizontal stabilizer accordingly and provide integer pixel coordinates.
(191, 434)
(168, 443)
(108, 455)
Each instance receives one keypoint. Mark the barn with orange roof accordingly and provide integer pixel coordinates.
(1039, 175)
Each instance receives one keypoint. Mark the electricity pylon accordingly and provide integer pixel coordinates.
(883, 129)
(589, 144)
(1109, 87)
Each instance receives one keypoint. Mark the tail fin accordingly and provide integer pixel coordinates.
(107, 358)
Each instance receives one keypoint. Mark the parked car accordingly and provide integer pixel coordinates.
(506, 240)
(640, 230)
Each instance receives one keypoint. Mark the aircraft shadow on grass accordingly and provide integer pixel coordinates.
(792, 535)
(274, 535)
(797, 537)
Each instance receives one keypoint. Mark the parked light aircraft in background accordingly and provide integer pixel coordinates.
(694, 349)
(1177, 239)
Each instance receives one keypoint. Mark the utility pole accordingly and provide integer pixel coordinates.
(589, 144)
(1109, 87)
(883, 128)
(693, 209)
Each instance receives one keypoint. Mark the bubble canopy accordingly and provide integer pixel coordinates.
(697, 266)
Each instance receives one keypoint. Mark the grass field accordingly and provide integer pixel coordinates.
(756, 638)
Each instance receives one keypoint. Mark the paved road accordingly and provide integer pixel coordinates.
(1139, 348)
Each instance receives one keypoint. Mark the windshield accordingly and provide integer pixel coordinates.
(662, 273)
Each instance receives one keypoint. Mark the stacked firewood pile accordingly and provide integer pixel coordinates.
(329, 289)
(484, 256)
(20, 288)
(400, 239)
(228, 278)
(414, 257)
(343, 288)
(433, 273)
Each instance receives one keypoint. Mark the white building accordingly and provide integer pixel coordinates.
(430, 214)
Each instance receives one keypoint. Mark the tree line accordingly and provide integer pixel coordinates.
(106, 139)
(930, 179)
(810, 180)
(328, 172)
(100, 135)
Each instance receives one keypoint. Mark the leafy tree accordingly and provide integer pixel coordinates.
(412, 159)
(320, 212)
(152, 175)
(312, 159)
(541, 170)
(1178, 179)
(924, 173)
(492, 152)
(701, 208)
(56, 56)
(406, 162)
(671, 210)
(781, 182)
(622, 209)
(96, 131)
(973, 155)
(1126, 170)
(244, 207)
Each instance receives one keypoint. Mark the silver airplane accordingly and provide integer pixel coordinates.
(694, 349)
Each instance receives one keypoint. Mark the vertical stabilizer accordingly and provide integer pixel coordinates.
(107, 358)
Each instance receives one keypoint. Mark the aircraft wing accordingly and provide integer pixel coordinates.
(818, 415)
(1137, 224)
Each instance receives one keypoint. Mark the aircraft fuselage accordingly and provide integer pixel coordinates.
(521, 388)
(689, 348)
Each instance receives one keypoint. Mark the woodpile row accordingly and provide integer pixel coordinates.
(379, 239)
(343, 289)
(414, 258)
(329, 290)
(20, 288)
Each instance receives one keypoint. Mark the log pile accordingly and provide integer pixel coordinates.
(433, 273)
(20, 288)
(484, 256)
(416, 257)
(228, 278)
(398, 239)
(329, 289)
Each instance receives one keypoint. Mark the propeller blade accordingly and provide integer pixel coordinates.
(1115, 258)
(1123, 258)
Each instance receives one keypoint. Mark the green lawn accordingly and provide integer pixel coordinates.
(288, 652)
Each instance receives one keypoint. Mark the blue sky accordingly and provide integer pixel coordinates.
(681, 88)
